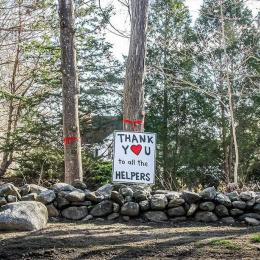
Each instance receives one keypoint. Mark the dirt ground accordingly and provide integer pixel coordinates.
(111, 240)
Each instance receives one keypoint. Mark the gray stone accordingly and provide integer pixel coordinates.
(209, 193)
(247, 195)
(126, 191)
(75, 196)
(141, 192)
(192, 209)
(23, 215)
(239, 204)
(257, 199)
(125, 218)
(128, 198)
(252, 221)
(249, 215)
(178, 219)
(9, 189)
(11, 198)
(176, 202)
(106, 190)
(144, 205)
(236, 212)
(75, 213)
(36, 189)
(46, 197)
(228, 220)
(257, 208)
(81, 203)
(173, 195)
(207, 206)
(221, 211)
(233, 196)
(162, 192)
(176, 212)
(116, 207)
(52, 211)
(130, 209)
(117, 197)
(113, 216)
(223, 199)
(205, 216)
(29, 197)
(100, 219)
(78, 184)
(250, 203)
(95, 197)
(155, 216)
(25, 189)
(2, 201)
(102, 209)
(190, 197)
(63, 187)
(87, 218)
(61, 202)
(158, 202)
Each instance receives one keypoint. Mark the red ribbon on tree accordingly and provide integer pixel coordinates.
(70, 139)
(134, 123)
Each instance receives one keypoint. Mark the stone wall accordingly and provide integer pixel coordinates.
(121, 202)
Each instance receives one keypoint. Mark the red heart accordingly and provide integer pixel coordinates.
(136, 149)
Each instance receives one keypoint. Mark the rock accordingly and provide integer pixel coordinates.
(228, 220)
(249, 215)
(100, 219)
(87, 218)
(25, 189)
(178, 219)
(75, 213)
(78, 184)
(113, 216)
(223, 199)
(252, 221)
(11, 198)
(239, 204)
(257, 208)
(24, 216)
(158, 202)
(117, 197)
(155, 216)
(144, 205)
(29, 197)
(9, 189)
(126, 191)
(209, 193)
(141, 192)
(176, 202)
(247, 195)
(61, 202)
(46, 197)
(130, 209)
(207, 206)
(236, 212)
(162, 192)
(221, 211)
(206, 216)
(2, 201)
(95, 197)
(36, 189)
(250, 203)
(106, 190)
(63, 187)
(125, 218)
(81, 203)
(128, 198)
(102, 209)
(173, 195)
(116, 207)
(75, 196)
(52, 211)
(192, 209)
(190, 197)
(176, 212)
(233, 196)
(257, 199)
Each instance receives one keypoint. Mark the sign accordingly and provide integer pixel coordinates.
(134, 157)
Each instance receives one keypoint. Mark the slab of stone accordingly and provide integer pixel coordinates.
(247, 195)
(155, 216)
(158, 202)
(34, 188)
(209, 193)
(176, 212)
(228, 220)
(46, 197)
(130, 209)
(207, 206)
(61, 186)
(75, 213)
(252, 221)
(239, 204)
(236, 212)
(75, 196)
(102, 209)
(176, 202)
(206, 216)
(113, 216)
(190, 197)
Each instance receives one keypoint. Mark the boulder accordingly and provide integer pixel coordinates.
(113, 216)
(192, 209)
(128, 198)
(29, 197)
(126, 191)
(87, 218)
(233, 196)
(141, 192)
(250, 203)
(81, 203)
(257, 208)
(125, 218)
(34, 188)
(249, 215)
(78, 184)
(75, 196)
(252, 221)
(176, 212)
(117, 197)
(236, 212)
(106, 190)
(11, 198)
(206, 216)
(75, 213)
(228, 220)
(239, 204)
(207, 206)
(9, 189)
(158, 202)
(24, 216)
(2, 201)
(190, 197)
(95, 196)
(223, 199)
(209, 193)
(116, 207)
(172, 195)
(155, 216)
(176, 202)
(63, 187)
(46, 197)
(144, 205)
(247, 195)
(102, 209)
(130, 209)
(60, 201)
(52, 211)
(25, 189)
(221, 211)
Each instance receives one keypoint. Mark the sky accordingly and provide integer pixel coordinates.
(121, 22)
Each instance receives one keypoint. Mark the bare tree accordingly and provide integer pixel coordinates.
(72, 143)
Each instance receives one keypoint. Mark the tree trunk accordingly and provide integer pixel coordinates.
(134, 79)
(70, 90)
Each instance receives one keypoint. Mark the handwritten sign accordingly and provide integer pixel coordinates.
(134, 157)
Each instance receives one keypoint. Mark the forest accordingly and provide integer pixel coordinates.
(201, 91)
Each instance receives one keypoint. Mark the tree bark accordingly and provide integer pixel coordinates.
(70, 91)
(134, 79)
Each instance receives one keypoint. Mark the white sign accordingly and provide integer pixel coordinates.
(134, 157)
